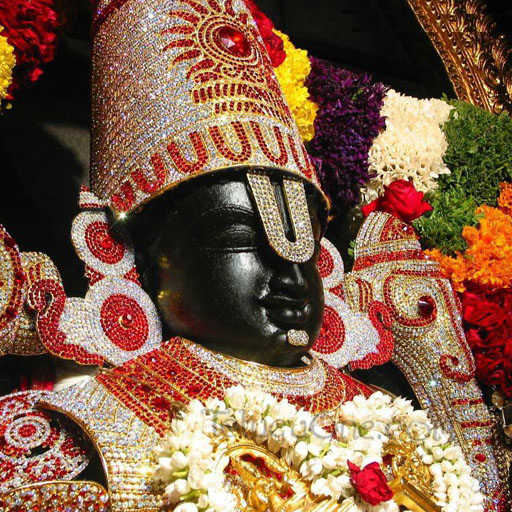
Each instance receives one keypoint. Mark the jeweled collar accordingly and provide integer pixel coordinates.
(180, 371)
(307, 380)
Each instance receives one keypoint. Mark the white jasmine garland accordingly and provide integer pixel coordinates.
(411, 147)
(190, 461)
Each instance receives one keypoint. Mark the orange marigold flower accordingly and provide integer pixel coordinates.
(486, 260)
(453, 269)
(505, 199)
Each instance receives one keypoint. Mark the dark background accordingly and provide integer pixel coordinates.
(44, 138)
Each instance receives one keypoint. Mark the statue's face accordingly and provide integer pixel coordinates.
(220, 284)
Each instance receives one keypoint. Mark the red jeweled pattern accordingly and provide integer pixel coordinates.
(158, 168)
(185, 165)
(236, 153)
(382, 320)
(368, 261)
(229, 50)
(93, 276)
(37, 445)
(106, 252)
(391, 284)
(396, 230)
(332, 332)
(325, 263)
(47, 298)
(132, 276)
(124, 322)
(349, 336)
(149, 384)
(449, 364)
(102, 244)
(282, 158)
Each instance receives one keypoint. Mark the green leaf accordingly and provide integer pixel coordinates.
(479, 157)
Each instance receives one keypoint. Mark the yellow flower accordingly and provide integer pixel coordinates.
(7, 62)
(292, 74)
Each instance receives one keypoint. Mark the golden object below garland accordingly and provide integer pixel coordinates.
(412, 482)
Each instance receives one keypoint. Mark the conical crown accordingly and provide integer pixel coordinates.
(182, 88)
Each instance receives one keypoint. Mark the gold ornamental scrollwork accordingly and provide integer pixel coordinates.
(478, 58)
(412, 484)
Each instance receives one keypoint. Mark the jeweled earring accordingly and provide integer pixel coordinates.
(116, 321)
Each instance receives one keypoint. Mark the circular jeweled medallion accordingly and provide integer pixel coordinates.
(37, 445)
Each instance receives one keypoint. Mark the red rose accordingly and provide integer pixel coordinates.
(370, 483)
(400, 199)
(489, 367)
(474, 339)
(30, 27)
(479, 311)
(265, 25)
(275, 48)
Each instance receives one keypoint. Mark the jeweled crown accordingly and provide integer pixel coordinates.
(182, 88)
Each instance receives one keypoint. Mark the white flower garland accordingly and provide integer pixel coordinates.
(411, 147)
(191, 465)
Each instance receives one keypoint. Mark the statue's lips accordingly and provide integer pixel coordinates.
(286, 311)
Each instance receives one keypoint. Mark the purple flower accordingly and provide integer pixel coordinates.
(347, 122)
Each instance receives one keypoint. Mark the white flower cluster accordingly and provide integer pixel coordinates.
(411, 147)
(382, 419)
(191, 462)
(189, 466)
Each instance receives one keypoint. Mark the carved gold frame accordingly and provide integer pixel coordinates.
(478, 59)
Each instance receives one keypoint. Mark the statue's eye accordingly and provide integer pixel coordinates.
(426, 306)
(237, 237)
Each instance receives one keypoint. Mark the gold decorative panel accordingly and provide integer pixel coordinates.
(478, 59)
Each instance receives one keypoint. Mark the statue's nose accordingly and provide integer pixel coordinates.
(289, 279)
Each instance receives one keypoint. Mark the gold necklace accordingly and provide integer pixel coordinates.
(305, 381)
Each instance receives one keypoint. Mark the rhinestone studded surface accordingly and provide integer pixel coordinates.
(126, 409)
(301, 249)
(182, 88)
(56, 496)
(37, 445)
(430, 347)
(347, 335)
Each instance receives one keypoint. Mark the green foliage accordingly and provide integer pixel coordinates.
(351, 249)
(442, 228)
(479, 156)
(479, 152)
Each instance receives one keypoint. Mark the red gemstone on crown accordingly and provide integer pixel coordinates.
(234, 41)
(426, 305)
